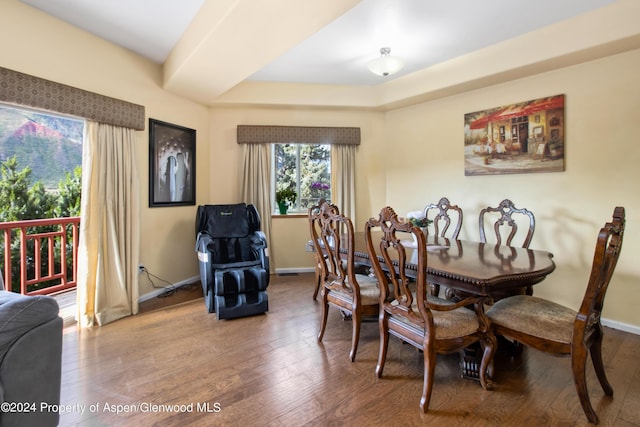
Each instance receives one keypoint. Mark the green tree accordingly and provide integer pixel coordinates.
(40, 203)
(20, 200)
(14, 191)
(286, 167)
(68, 202)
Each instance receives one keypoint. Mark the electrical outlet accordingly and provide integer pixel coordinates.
(141, 268)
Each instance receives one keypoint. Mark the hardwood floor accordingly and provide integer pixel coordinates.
(269, 370)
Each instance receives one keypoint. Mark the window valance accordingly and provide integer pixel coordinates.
(249, 134)
(31, 91)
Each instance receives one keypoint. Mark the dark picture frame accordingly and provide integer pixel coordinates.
(172, 164)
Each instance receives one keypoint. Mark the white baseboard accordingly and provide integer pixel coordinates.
(157, 292)
(621, 326)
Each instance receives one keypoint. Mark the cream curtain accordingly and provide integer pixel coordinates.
(256, 187)
(109, 223)
(343, 179)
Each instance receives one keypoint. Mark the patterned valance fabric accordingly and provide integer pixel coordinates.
(24, 89)
(249, 134)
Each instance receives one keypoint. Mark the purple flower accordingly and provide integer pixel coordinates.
(320, 186)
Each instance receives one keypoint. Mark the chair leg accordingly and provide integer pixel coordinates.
(596, 358)
(429, 354)
(490, 345)
(325, 314)
(317, 278)
(384, 343)
(355, 335)
(578, 365)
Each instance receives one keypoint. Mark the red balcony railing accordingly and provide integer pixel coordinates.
(43, 253)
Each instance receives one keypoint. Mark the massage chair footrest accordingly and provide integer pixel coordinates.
(238, 293)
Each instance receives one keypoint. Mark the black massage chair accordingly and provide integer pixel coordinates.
(233, 260)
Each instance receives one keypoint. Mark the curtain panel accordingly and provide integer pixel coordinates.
(343, 177)
(255, 186)
(109, 226)
(24, 89)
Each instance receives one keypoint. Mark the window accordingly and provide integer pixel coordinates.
(304, 168)
(40, 161)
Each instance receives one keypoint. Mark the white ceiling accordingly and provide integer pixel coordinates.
(422, 32)
(150, 28)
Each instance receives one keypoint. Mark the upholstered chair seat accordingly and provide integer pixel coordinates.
(535, 316)
(369, 290)
(449, 324)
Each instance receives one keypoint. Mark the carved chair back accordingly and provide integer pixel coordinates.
(605, 260)
(506, 222)
(444, 215)
(332, 233)
(318, 269)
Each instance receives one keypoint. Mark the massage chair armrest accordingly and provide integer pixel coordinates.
(205, 249)
(259, 248)
(203, 240)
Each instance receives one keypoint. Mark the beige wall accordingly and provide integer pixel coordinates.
(34, 43)
(602, 107)
(408, 157)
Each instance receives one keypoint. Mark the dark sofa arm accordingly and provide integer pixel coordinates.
(21, 313)
(30, 358)
(31, 372)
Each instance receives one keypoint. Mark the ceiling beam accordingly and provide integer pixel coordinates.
(229, 40)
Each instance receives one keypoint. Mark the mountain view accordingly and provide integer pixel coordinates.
(50, 145)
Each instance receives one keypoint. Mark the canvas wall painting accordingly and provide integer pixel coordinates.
(524, 137)
(172, 174)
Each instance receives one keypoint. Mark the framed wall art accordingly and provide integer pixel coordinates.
(172, 165)
(519, 138)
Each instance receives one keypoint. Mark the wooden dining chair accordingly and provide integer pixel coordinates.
(431, 324)
(447, 218)
(318, 268)
(507, 222)
(447, 222)
(561, 331)
(352, 293)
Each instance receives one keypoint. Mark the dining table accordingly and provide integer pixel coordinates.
(473, 268)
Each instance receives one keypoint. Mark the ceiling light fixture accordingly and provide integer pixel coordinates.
(386, 64)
